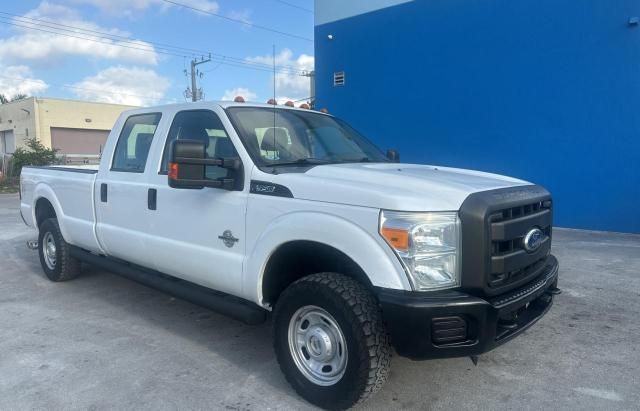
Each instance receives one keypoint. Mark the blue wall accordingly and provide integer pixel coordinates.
(544, 90)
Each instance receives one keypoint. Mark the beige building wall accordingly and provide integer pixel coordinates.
(20, 118)
(74, 114)
(35, 116)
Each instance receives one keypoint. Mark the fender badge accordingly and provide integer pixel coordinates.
(228, 239)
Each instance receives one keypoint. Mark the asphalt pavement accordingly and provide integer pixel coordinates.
(104, 342)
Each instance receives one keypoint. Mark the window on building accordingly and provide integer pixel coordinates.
(7, 142)
(134, 143)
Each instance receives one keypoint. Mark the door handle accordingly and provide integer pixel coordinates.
(152, 199)
(103, 192)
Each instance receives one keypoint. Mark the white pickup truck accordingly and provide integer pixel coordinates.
(253, 209)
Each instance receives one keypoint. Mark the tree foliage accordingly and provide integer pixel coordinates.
(35, 154)
(4, 99)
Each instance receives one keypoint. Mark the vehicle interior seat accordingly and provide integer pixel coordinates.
(224, 148)
(275, 139)
(143, 144)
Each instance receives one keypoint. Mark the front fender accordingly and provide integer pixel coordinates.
(372, 255)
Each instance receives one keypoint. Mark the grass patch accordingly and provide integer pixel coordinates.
(9, 185)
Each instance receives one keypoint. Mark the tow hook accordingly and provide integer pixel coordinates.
(32, 244)
(474, 359)
(555, 291)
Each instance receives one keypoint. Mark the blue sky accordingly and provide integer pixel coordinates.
(36, 59)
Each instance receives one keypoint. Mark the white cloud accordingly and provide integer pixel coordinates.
(130, 6)
(296, 102)
(16, 80)
(289, 84)
(46, 47)
(248, 95)
(123, 85)
(241, 15)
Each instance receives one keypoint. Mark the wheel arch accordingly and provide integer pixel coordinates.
(299, 258)
(317, 242)
(43, 210)
(46, 205)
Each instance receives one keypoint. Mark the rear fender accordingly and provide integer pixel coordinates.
(44, 191)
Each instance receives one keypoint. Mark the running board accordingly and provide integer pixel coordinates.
(234, 307)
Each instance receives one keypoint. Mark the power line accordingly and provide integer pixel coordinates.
(239, 21)
(76, 87)
(95, 39)
(137, 45)
(110, 36)
(295, 6)
(75, 29)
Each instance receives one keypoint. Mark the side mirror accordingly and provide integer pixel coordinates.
(188, 163)
(393, 155)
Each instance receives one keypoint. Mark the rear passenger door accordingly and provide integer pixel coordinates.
(121, 192)
(199, 235)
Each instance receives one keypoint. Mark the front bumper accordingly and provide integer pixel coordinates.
(418, 322)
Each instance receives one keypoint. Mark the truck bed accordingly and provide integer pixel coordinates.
(70, 190)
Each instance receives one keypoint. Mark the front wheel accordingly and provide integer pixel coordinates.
(330, 340)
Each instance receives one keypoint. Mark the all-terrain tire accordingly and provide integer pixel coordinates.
(356, 312)
(63, 267)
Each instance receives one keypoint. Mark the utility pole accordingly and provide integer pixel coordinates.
(194, 92)
(312, 86)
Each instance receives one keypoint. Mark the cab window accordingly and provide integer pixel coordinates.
(206, 126)
(132, 149)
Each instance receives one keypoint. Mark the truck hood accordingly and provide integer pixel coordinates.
(406, 187)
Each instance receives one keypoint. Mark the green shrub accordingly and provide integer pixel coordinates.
(35, 154)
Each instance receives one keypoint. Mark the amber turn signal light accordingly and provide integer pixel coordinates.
(173, 171)
(397, 238)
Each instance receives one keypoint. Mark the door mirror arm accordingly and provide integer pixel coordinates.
(231, 163)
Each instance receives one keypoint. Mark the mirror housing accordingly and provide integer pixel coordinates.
(393, 155)
(188, 163)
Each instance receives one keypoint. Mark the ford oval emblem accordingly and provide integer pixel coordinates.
(533, 240)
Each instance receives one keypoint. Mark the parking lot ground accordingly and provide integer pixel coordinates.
(104, 342)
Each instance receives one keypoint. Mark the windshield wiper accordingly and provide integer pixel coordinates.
(301, 162)
(356, 160)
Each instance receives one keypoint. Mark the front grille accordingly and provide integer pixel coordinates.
(510, 262)
(494, 224)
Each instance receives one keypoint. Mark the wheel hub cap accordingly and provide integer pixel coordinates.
(317, 345)
(49, 250)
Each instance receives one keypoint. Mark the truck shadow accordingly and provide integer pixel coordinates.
(166, 340)
(247, 348)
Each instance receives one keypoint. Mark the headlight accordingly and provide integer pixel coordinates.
(428, 245)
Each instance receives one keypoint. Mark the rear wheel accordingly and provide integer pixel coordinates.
(330, 340)
(56, 262)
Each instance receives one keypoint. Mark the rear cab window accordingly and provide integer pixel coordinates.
(134, 142)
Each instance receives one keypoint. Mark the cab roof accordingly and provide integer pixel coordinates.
(210, 104)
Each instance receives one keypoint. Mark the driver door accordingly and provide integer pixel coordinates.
(198, 235)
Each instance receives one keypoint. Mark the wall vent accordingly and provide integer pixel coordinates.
(338, 78)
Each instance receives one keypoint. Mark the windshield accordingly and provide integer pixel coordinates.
(281, 137)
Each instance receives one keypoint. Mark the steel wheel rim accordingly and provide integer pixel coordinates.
(317, 345)
(49, 250)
